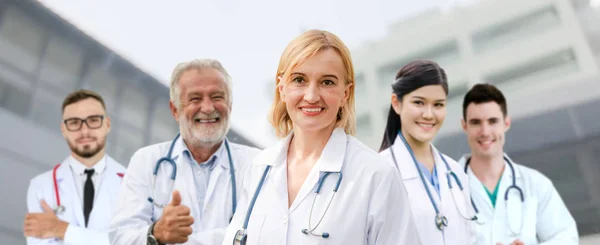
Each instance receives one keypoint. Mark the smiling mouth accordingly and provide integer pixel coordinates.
(312, 110)
(486, 142)
(212, 120)
(426, 126)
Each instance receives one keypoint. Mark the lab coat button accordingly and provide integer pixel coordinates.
(285, 219)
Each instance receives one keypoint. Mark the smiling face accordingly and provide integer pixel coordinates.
(422, 112)
(203, 114)
(485, 126)
(315, 91)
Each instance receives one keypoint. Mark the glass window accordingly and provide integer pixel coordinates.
(62, 64)
(444, 54)
(104, 83)
(458, 91)
(516, 29)
(129, 140)
(134, 107)
(47, 110)
(550, 66)
(14, 98)
(21, 40)
(164, 126)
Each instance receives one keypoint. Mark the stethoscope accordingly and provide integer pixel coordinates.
(241, 235)
(60, 209)
(441, 220)
(170, 161)
(512, 186)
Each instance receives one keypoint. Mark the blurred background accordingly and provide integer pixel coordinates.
(543, 54)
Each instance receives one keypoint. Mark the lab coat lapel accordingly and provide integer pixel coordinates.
(107, 191)
(68, 192)
(421, 207)
(442, 174)
(331, 160)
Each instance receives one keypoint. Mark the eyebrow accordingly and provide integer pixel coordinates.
(423, 98)
(326, 75)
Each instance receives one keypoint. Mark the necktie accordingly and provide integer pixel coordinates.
(88, 195)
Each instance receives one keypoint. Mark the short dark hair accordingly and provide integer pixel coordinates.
(80, 95)
(483, 93)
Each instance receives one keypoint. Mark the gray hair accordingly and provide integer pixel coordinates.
(196, 64)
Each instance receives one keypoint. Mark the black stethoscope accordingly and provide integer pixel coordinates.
(441, 220)
(170, 161)
(241, 235)
(512, 186)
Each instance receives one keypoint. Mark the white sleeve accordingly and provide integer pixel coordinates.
(34, 196)
(555, 225)
(133, 213)
(390, 219)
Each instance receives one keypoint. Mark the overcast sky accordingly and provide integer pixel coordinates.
(248, 37)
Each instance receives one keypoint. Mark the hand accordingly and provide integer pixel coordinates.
(44, 225)
(175, 225)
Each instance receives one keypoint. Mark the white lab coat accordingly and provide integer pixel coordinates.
(42, 187)
(546, 219)
(369, 207)
(458, 230)
(131, 221)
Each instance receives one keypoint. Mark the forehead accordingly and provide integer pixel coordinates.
(83, 109)
(429, 92)
(207, 80)
(324, 62)
(484, 111)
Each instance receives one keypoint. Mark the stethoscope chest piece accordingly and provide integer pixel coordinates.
(441, 221)
(59, 210)
(240, 237)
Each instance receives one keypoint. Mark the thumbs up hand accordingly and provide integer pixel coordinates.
(175, 224)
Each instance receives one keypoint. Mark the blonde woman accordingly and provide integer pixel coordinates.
(319, 185)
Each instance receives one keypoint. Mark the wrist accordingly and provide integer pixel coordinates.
(60, 229)
(154, 237)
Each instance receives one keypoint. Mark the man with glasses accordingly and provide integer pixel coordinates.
(73, 202)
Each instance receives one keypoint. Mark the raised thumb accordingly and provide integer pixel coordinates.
(176, 198)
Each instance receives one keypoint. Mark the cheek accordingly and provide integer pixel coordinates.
(441, 115)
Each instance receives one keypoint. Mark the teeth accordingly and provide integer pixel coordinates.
(206, 120)
(312, 109)
(425, 125)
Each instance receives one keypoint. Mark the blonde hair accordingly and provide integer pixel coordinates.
(295, 54)
(196, 64)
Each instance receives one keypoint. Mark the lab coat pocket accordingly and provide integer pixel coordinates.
(255, 228)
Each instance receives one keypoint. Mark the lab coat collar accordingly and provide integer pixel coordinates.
(507, 171)
(331, 159)
(406, 163)
(79, 168)
(181, 147)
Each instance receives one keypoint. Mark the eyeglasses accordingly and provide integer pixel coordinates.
(92, 122)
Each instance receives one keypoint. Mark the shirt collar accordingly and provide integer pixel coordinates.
(182, 149)
(79, 167)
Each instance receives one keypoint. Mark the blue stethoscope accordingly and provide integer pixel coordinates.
(440, 220)
(170, 161)
(241, 235)
(512, 186)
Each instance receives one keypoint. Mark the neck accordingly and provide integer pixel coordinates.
(203, 152)
(422, 151)
(308, 146)
(89, 162)
(487, 168)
